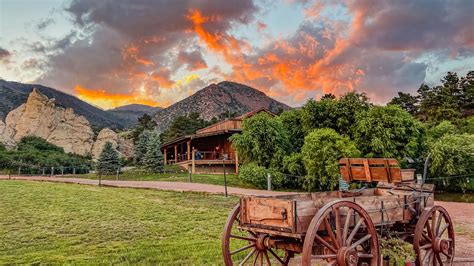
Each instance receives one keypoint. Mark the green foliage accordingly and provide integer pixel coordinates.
(256, 175)
(329, 112)
(141, 146)
(443, 128)
(396, 250)
(154, 160)
(407, 102)
(109, 162)
(292, 122)
(146, 122)
(453, 155)
(264, 141)
(388, 132)
(294, 165)
(184, 125)
(34, 153)
(321, 152)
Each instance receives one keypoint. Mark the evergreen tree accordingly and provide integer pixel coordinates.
(109, 161)
(141, 146)
(154, 160)
(145, 122)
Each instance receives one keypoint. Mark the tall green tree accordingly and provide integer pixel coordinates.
(407, 102)
(388, 132)
(141, 146)
(291, 120)
(321, 152)
(263, 141)
(154, 160)
(145, 122)
(184, 125)
(109, 161)
(338, 114)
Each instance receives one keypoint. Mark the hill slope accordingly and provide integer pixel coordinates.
(13, 94)
(216, 99)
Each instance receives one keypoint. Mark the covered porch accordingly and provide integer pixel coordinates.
(203, 153)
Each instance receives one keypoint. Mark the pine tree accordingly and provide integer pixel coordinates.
(153, 159)
(109, 161)
(141, 147)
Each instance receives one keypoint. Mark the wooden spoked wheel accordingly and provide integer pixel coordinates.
(242, 247)
(434, 237)
(341, 233)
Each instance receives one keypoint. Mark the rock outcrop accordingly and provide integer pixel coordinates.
(40, 117)
(122, 145)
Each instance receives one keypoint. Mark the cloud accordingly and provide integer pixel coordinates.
(125, 47)
(120, 46)
(193, 60)
(375, 47)
(44, 23)
(4, 54)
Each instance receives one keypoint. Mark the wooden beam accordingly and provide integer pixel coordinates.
(175, 153)
(193, 167)
(165, 156)
(189, 150)
(236, 163)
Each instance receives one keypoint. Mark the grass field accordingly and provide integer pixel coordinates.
(214, 179)
(62, 223)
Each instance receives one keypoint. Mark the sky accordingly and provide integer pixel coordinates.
(117, 52)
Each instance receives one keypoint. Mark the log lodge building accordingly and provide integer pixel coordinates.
(209, 149)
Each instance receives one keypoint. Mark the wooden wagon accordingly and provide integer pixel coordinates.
(341, 228)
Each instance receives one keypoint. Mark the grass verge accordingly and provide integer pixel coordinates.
(63, 223)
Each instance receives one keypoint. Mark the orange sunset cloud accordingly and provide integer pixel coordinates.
(107, 100)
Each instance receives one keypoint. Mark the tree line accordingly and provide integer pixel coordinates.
(301, 147)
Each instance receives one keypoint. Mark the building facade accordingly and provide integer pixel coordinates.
(209, 149)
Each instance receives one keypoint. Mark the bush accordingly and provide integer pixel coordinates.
(453, 155)
(321, 152)
(256, 175)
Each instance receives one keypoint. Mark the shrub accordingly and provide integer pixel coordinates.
(321, 152)
(256, 175)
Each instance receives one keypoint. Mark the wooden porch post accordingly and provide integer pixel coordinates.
(175, 153)
(164, 154)
(189, 150)
(193, 168)
(236, 163)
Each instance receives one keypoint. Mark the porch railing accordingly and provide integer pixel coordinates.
(203, 155)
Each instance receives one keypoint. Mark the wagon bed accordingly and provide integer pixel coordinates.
(290, 215)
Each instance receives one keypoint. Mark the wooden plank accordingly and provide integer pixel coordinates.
(367, 171)
(269, 212)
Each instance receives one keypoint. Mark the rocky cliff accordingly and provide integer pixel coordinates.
(40, 117)
(13, 94)
(122, 145)
(216, 99)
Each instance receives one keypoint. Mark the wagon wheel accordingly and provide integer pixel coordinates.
(242, 247)
(434, 237)
(341, 233)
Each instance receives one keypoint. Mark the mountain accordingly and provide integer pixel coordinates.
(13, 94)
(130, 113)
(216, 99)
(145, 109)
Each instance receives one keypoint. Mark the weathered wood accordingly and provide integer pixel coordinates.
(372, 169)
(266, 212)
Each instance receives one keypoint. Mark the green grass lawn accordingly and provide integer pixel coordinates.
(214, 179)
(63, 223)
